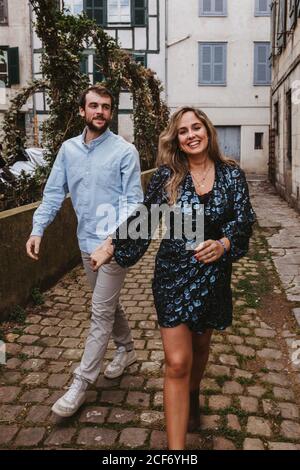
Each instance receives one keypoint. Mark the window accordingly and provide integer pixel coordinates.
(139, 12)
(118, 11)
(9, 65)
(140, 59)
(3, 12)
(262, 66)
(95, 10)
(212, 63)
(3, 66)
(258, 140)
(262, 7)
(74, 7)
(276, 118)
(213, 8)
(289, 125)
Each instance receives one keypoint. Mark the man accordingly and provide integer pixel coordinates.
(99, 169)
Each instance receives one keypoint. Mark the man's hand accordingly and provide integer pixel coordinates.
(102, 254)
(33, 247)
(209, 251)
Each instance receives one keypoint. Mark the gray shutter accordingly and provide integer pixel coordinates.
(262, 69)
(219, 63)
(281, 30)
(298, 7)
(13, 66)
(219, 6)
(292, 13)
(206, 6)
(205, 65)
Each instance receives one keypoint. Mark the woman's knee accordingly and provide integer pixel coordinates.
(178, 367)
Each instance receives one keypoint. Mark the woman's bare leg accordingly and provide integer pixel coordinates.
(201, 344)
(177, 344)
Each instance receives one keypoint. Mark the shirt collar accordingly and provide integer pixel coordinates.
(96, 141)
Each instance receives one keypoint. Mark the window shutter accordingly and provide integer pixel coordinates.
(207, 6)
(3, 12)
(219, 6)
(139, 12)
(262, 70)
(219, 64)
(213, 7)
(205, 63)
(84, 64)
(13, 66)
(97, 74)
(281, 30)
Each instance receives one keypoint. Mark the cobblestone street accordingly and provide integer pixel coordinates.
(250, 395)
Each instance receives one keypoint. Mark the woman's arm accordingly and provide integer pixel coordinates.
(239, 230)
(130, 248)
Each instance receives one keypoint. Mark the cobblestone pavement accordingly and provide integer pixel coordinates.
(250, 395)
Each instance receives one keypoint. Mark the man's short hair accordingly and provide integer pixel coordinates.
(101, 91)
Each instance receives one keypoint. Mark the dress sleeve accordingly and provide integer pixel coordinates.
(239, 229)
(129, 248)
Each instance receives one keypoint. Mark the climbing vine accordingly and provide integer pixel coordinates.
(64, 38)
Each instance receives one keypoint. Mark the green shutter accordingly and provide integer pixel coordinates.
(97, 74)
(84, 64)
(139, 12)
(13, 66)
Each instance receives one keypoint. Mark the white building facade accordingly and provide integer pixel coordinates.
(137, 26)
(217, 59)
(285, 99)
(16, 60)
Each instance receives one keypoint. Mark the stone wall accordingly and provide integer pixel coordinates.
(59, 252)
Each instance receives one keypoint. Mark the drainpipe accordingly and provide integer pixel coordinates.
(166, 48)
(35, 122)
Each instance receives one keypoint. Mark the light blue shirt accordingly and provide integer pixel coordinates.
(102, 177)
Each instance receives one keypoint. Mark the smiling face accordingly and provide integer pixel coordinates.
(97, 112)
(192, 135)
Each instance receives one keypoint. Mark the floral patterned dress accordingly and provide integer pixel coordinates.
(184, 289)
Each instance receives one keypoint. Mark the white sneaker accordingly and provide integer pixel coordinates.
(69, 403)
(121, 360)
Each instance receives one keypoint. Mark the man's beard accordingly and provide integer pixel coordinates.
(94, 128)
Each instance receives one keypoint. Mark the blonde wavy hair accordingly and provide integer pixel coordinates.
(170, 154)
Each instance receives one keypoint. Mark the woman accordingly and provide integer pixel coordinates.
(191, 289)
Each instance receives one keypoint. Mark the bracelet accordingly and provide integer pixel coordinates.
(223, 245)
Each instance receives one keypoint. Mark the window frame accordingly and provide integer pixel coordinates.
(213, 13)
(258, 12)
(4, 22)
(104, 9)
(211, 43)
(258, 140)
(116, 23)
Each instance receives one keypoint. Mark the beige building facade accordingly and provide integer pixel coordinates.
(218, 60)
(285, 99)
(16, 57)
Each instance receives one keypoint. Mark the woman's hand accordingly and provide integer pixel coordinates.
(102, 254)
(210, 251)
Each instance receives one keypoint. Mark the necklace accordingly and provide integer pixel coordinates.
(201, 183)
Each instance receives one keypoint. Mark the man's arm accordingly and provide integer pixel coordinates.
(54, 194)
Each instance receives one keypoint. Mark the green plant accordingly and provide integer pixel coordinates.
(37, 296)
(17, 315)
(64, 38)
